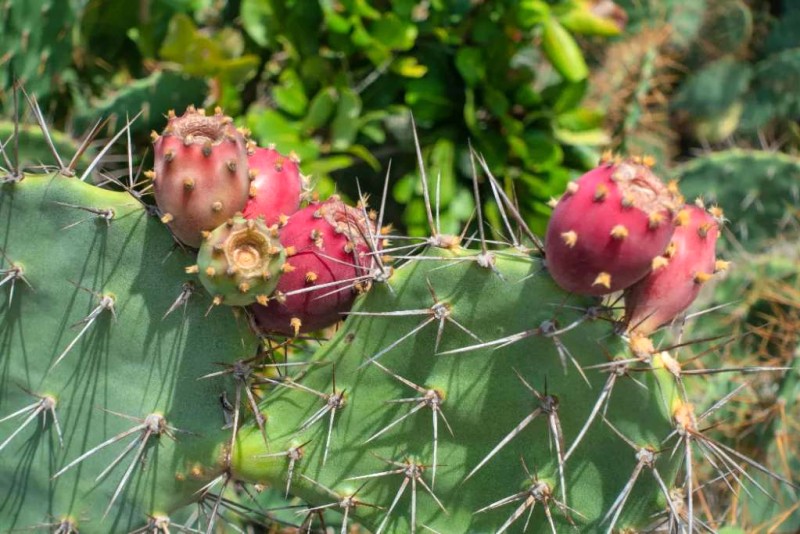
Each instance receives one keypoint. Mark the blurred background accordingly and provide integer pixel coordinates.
(709, 88)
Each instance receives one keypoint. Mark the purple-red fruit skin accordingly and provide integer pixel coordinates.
(201, 175)
(677, 276)
(277, 185)
(325, 243)
(607, 228)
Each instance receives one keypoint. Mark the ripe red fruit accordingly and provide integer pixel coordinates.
(200, 178)
(327, 257)
(608, 226)
(277, 185)
(678, 275)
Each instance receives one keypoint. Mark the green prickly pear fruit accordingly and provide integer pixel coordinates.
(608, 226)
(201, 176)
(240, 262)
(327, 247)
(677, 275)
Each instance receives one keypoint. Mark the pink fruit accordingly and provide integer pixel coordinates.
(201, 176)
(277, 183)
(608, 226)
(327, 246)
(678, 275)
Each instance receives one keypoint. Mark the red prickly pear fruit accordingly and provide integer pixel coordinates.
(677, 275)
(278, 185)
(201, 176)
(608, 226)
(327, 257)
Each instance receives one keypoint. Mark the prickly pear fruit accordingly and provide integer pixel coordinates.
(277, 185)
(678, 274)
(608, 226)
(201, 175)
(240, 262)
(327, 246)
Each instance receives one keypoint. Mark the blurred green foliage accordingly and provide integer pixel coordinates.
(337, 82)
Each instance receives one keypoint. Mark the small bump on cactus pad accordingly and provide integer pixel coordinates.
(678, 274)
(277, 185)
(239, 262)
(201, 175)
(608, 226)
(326, 245)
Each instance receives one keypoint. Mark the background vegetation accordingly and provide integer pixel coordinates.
(540, 88)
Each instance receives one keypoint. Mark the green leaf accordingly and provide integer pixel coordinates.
(593, 137)
(255, 16)
(544, 150)
(470, 64)
(441, 171)
(364, 9)
(462, 206)
(237, 70)
(565, 96)
(429, 97)
(370, 124)
(201, 55)
(324, 166)
(322, 107)
(271, 127)
(518, 147)
(527, 96)
(290, 95)
(409, 67)
(562, 51)
(394, 33)
(403, 189)
(360, 37)
(582, 20)
(374, 133)
(581, 119)
(531, 12)
(345, 123)
(335, 22)
(363, 153)
(496, 101)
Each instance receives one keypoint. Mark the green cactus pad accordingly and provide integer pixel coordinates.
(37, 38)
(758, 189)
(101, 321)
(335, 424)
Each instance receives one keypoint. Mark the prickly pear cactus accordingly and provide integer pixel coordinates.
(760, 190)
(37, 39)
(465, 392)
